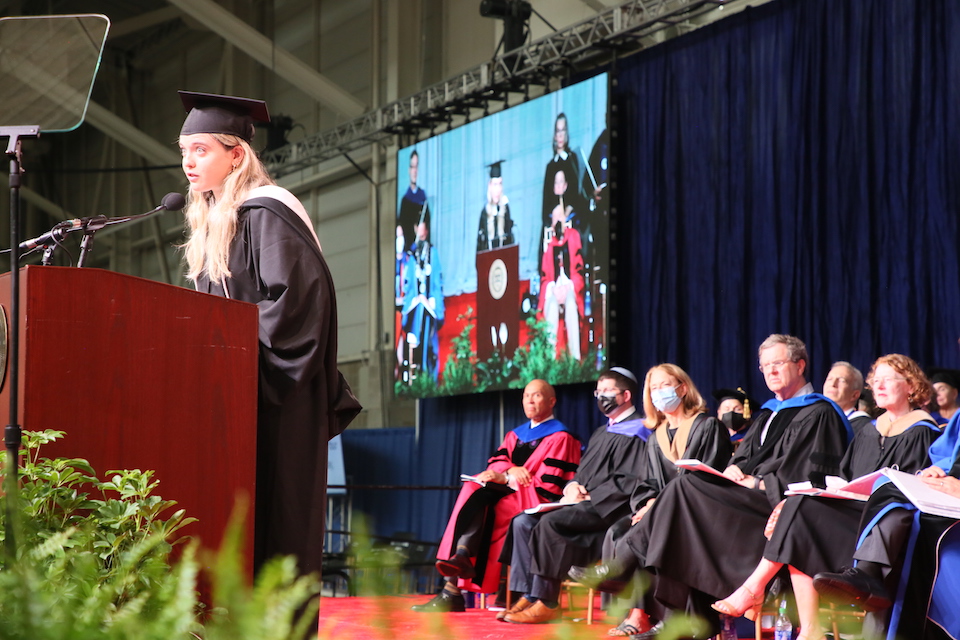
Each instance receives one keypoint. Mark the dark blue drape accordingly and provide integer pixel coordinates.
(792, 169)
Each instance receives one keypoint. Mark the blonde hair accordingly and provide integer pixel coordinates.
(692, 402)
(212, 224)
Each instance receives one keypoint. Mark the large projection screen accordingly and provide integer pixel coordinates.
(502, 248)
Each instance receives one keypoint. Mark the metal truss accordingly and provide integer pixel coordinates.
(615, 31)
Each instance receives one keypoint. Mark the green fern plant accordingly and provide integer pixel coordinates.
(100, 568)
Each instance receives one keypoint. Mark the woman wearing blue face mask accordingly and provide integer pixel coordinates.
(682, 428)
(677, 414)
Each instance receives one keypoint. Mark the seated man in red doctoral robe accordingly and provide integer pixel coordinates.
(532, 465)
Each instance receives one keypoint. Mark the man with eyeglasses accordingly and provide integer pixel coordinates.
(546, 546)
(704, 535)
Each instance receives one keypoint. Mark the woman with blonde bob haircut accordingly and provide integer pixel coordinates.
(253, 241)
(691, 400)
(682, 428)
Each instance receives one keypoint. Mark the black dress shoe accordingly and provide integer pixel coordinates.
(456, 567)
(443, 602)
(855, 587)
(602, 577)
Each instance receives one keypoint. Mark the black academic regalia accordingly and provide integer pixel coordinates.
(413, 209)
(573, 535)
(275, 263)
(573, 196)
(709, 442)
(706, 533)
(596, 227)
(484, 241)
(819, 534)
(858, 422)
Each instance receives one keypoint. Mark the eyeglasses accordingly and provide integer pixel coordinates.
(876, 382)
(779, 364)
(611, 393)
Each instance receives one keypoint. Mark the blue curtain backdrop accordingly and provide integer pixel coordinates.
(793, 169)
(790, 169)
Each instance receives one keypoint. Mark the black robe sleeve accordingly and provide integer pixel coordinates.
(708, 442)
(610, 469)
(810, 447)
(297, 307)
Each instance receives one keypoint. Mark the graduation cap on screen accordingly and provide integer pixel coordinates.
(495, 169)
(735, 394)
(213, 113)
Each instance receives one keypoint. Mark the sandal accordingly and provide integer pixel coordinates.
(623, 630)
(751, 612)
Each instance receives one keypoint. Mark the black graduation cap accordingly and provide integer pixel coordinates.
(947, 376)
(736, 394)
(495, 168)
(212, 113)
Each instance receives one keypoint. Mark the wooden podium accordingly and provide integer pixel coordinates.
(498, 301)
(142, 375)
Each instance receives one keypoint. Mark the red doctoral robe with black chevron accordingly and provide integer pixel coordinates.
(552, 464)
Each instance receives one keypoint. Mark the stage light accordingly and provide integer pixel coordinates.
(515, 15)
(277, 130)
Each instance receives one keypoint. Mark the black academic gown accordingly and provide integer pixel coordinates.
(819, 534)
(709, 442)
(573, 535)
(858, 422)
(573, 196)
(413, 209)
(276, 264)
(706, 534)
(484, 241)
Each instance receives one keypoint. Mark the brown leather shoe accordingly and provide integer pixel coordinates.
(539, 613)
(517, 607)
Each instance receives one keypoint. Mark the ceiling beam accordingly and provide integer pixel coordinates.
(147, 147)
(263, 50)
(50, 207)
(596, 5)
(142, 21)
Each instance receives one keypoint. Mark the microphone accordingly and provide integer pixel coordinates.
(173, 201)
(56, 234)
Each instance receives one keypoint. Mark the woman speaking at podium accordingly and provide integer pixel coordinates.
(251, 240)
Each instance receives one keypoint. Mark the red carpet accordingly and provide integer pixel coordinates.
(390, 618)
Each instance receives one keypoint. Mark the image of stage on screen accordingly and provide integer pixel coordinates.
(501, 249)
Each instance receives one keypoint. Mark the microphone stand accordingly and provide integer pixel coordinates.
(90, 227)
(12, 433)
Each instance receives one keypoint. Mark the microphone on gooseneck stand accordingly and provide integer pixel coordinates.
(171, 202)
(55, 235)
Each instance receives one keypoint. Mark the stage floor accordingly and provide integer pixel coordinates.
(390, 617)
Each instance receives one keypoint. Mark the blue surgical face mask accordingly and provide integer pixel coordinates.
(665, 399)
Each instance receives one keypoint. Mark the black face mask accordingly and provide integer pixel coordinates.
(733, 420)
(607, 404)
